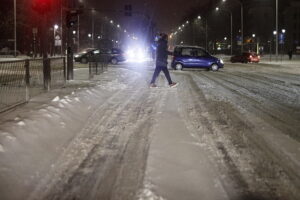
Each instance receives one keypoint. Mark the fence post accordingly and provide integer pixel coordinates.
(27, 80)
(65, 70)
(47, 74)
(90, 70)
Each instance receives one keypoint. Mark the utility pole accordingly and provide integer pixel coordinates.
(78, 32)
(242, 27)
(276, 30)
(15, 28)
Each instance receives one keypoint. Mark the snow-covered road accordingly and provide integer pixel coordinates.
(233, 134)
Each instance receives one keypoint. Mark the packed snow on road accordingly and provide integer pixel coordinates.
(231, 134)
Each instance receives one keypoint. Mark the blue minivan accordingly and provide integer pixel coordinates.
(195, 57)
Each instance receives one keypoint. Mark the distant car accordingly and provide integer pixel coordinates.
(194, 57)
(113, 55)
(245, 58)
(84, 55)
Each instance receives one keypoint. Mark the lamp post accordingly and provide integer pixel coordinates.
(217, 9)
(93, 26)
(276, 30)
(15, 28)
(242, 23)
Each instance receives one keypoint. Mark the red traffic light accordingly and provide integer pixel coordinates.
(42, 6)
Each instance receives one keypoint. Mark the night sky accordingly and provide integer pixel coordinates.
(166, 13)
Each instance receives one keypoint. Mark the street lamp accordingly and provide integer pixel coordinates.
(253, 35)
(55, 27)
(15, 28)
(217, 9)
(199, 17)
(242, 23)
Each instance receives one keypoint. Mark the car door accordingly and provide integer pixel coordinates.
(186, 57)
(201, 58)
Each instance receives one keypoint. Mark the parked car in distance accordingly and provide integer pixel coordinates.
(84, 55)
(194, 57)
(113, 55)
(245, 58)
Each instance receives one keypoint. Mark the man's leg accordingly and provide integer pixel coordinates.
(155, 74)
(167, 74)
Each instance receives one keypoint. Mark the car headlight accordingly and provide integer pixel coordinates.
(76, 56)
(221, 61)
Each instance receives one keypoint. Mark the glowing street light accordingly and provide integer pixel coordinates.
(74, 32)
(55, 27)
(274, 32)
(217, 8)
(111, 21)
(283, 30)
(89, 35)
(253, 35)
(199, 17)
(118, 26)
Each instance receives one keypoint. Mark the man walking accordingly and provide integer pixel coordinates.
(162, 61)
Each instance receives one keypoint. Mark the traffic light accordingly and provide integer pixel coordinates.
(128, 10)
(42, 6)
(71, 17)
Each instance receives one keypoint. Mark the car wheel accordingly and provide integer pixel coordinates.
(214, 67)
(178, 66)
(114, 61)
(84, 60)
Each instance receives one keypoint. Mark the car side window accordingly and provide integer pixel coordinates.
(177, 52)
(201, 53)
(187, 52)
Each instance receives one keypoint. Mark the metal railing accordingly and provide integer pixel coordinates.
(21, 80)
(98, 65)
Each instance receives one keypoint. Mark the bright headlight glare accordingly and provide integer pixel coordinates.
(221, 61)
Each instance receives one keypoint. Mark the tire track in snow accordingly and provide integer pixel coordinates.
(99, 149)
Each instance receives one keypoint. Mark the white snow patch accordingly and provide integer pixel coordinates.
(21, 123)
(77, 99)
(64, 101)
(147, 193)
(55, 99)
(1, 149)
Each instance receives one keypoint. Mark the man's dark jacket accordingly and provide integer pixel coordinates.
(162, 53)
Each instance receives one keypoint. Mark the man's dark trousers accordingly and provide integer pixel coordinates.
(157, 71)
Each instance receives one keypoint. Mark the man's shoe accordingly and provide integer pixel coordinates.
(152, 85)
(172, 85)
